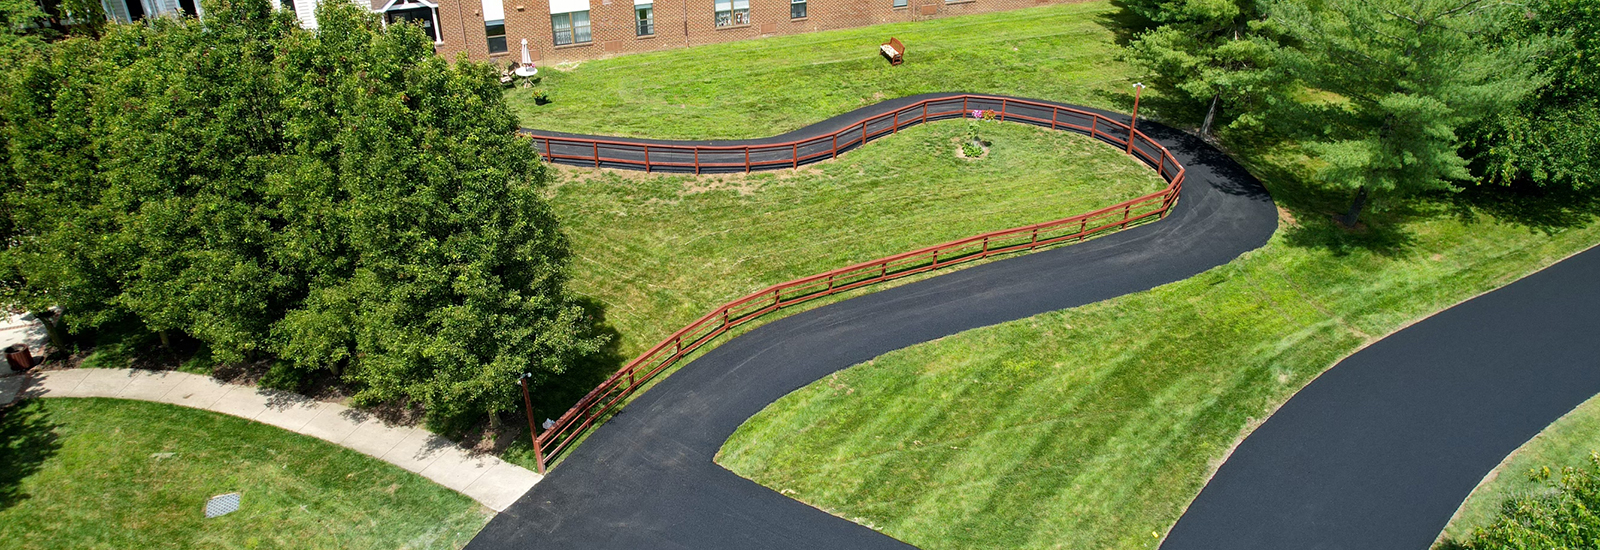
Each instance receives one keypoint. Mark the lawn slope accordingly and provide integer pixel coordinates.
(660, 251)
(1094, 427)
(760, 88)
(114, 474)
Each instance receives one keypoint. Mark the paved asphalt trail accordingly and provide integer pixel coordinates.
(1380, 450)
(646, 480)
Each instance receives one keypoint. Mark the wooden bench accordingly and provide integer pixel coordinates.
(893, 50)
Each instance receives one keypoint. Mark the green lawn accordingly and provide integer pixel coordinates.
(113, 474)
(1566, 443)
(660, 251)
(1094, 427)
(1089, 428)
(758, 88)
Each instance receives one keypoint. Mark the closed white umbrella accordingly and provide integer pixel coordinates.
(527, 68)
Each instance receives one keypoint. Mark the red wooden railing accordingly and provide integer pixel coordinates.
(593, 408)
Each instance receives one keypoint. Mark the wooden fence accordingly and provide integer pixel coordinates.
(598, 403)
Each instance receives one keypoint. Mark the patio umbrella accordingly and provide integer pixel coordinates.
(526, 69)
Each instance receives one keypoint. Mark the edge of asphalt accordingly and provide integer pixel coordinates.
(646, 478)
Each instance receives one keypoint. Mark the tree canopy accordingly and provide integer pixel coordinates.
(1388, 84)
(1552, 137)
(1211, 52)
(340, 199)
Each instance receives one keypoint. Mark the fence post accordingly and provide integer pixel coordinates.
(1035, 241)
(796, 154)
(747, 159)
(924, 111)
(1002, 109)
(533, 431)
(864, 133)
(646, 159)
(897, 122)
(836, 146)
(1055, 114)
(547, 148)
(1094, 126)
(697, 160)
(596, 154)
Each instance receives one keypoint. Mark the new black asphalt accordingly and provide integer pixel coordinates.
(1379, 451)
(646, 480)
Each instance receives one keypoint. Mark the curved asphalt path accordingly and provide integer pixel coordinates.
(1380, 450)
(646, 480)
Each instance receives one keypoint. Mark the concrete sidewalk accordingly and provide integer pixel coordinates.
(486, 479)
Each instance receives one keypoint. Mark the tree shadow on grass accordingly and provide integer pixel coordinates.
(1546, 210)
(1309, 212)
(27, 439)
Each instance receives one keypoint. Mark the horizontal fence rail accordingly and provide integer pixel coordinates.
(606, 397)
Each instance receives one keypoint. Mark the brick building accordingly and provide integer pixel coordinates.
(567, 30)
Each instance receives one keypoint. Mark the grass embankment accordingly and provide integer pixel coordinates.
(1566, 443)
(660, 251)
(103, 473)
(1095, 427)
(759, 88)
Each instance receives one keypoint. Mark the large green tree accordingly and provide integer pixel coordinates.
(1553, 136)
(1388, 84)
(1216, 53)
(340, 199)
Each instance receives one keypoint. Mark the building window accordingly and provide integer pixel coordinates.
(421, 12)
(645, 14)
(899, 3)
(494, 25)
(571, 28)
(732, 12)
(496, 31)
(797, 9)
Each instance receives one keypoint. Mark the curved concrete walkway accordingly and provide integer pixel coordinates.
(646, 479)
(486, 479)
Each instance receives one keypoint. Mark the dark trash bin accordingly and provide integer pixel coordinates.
(19, 357)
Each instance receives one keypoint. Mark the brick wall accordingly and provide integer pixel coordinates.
(678, 23)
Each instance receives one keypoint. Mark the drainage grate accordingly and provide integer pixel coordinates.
(222, 504)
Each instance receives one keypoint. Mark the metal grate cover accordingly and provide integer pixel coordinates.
(222, 504)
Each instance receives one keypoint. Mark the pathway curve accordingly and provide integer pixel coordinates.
(646, 479)
(1381, 449)
(486, 479)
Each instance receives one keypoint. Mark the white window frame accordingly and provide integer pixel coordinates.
(730, 13)
(898, 3)
(650, 18)
(407, 5)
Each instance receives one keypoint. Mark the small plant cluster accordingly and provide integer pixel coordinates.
(1561, 516)
(973, 146)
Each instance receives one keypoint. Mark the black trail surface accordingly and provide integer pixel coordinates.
(646, 480)
(1379, 451)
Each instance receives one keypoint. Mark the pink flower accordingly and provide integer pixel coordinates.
(977, 113)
